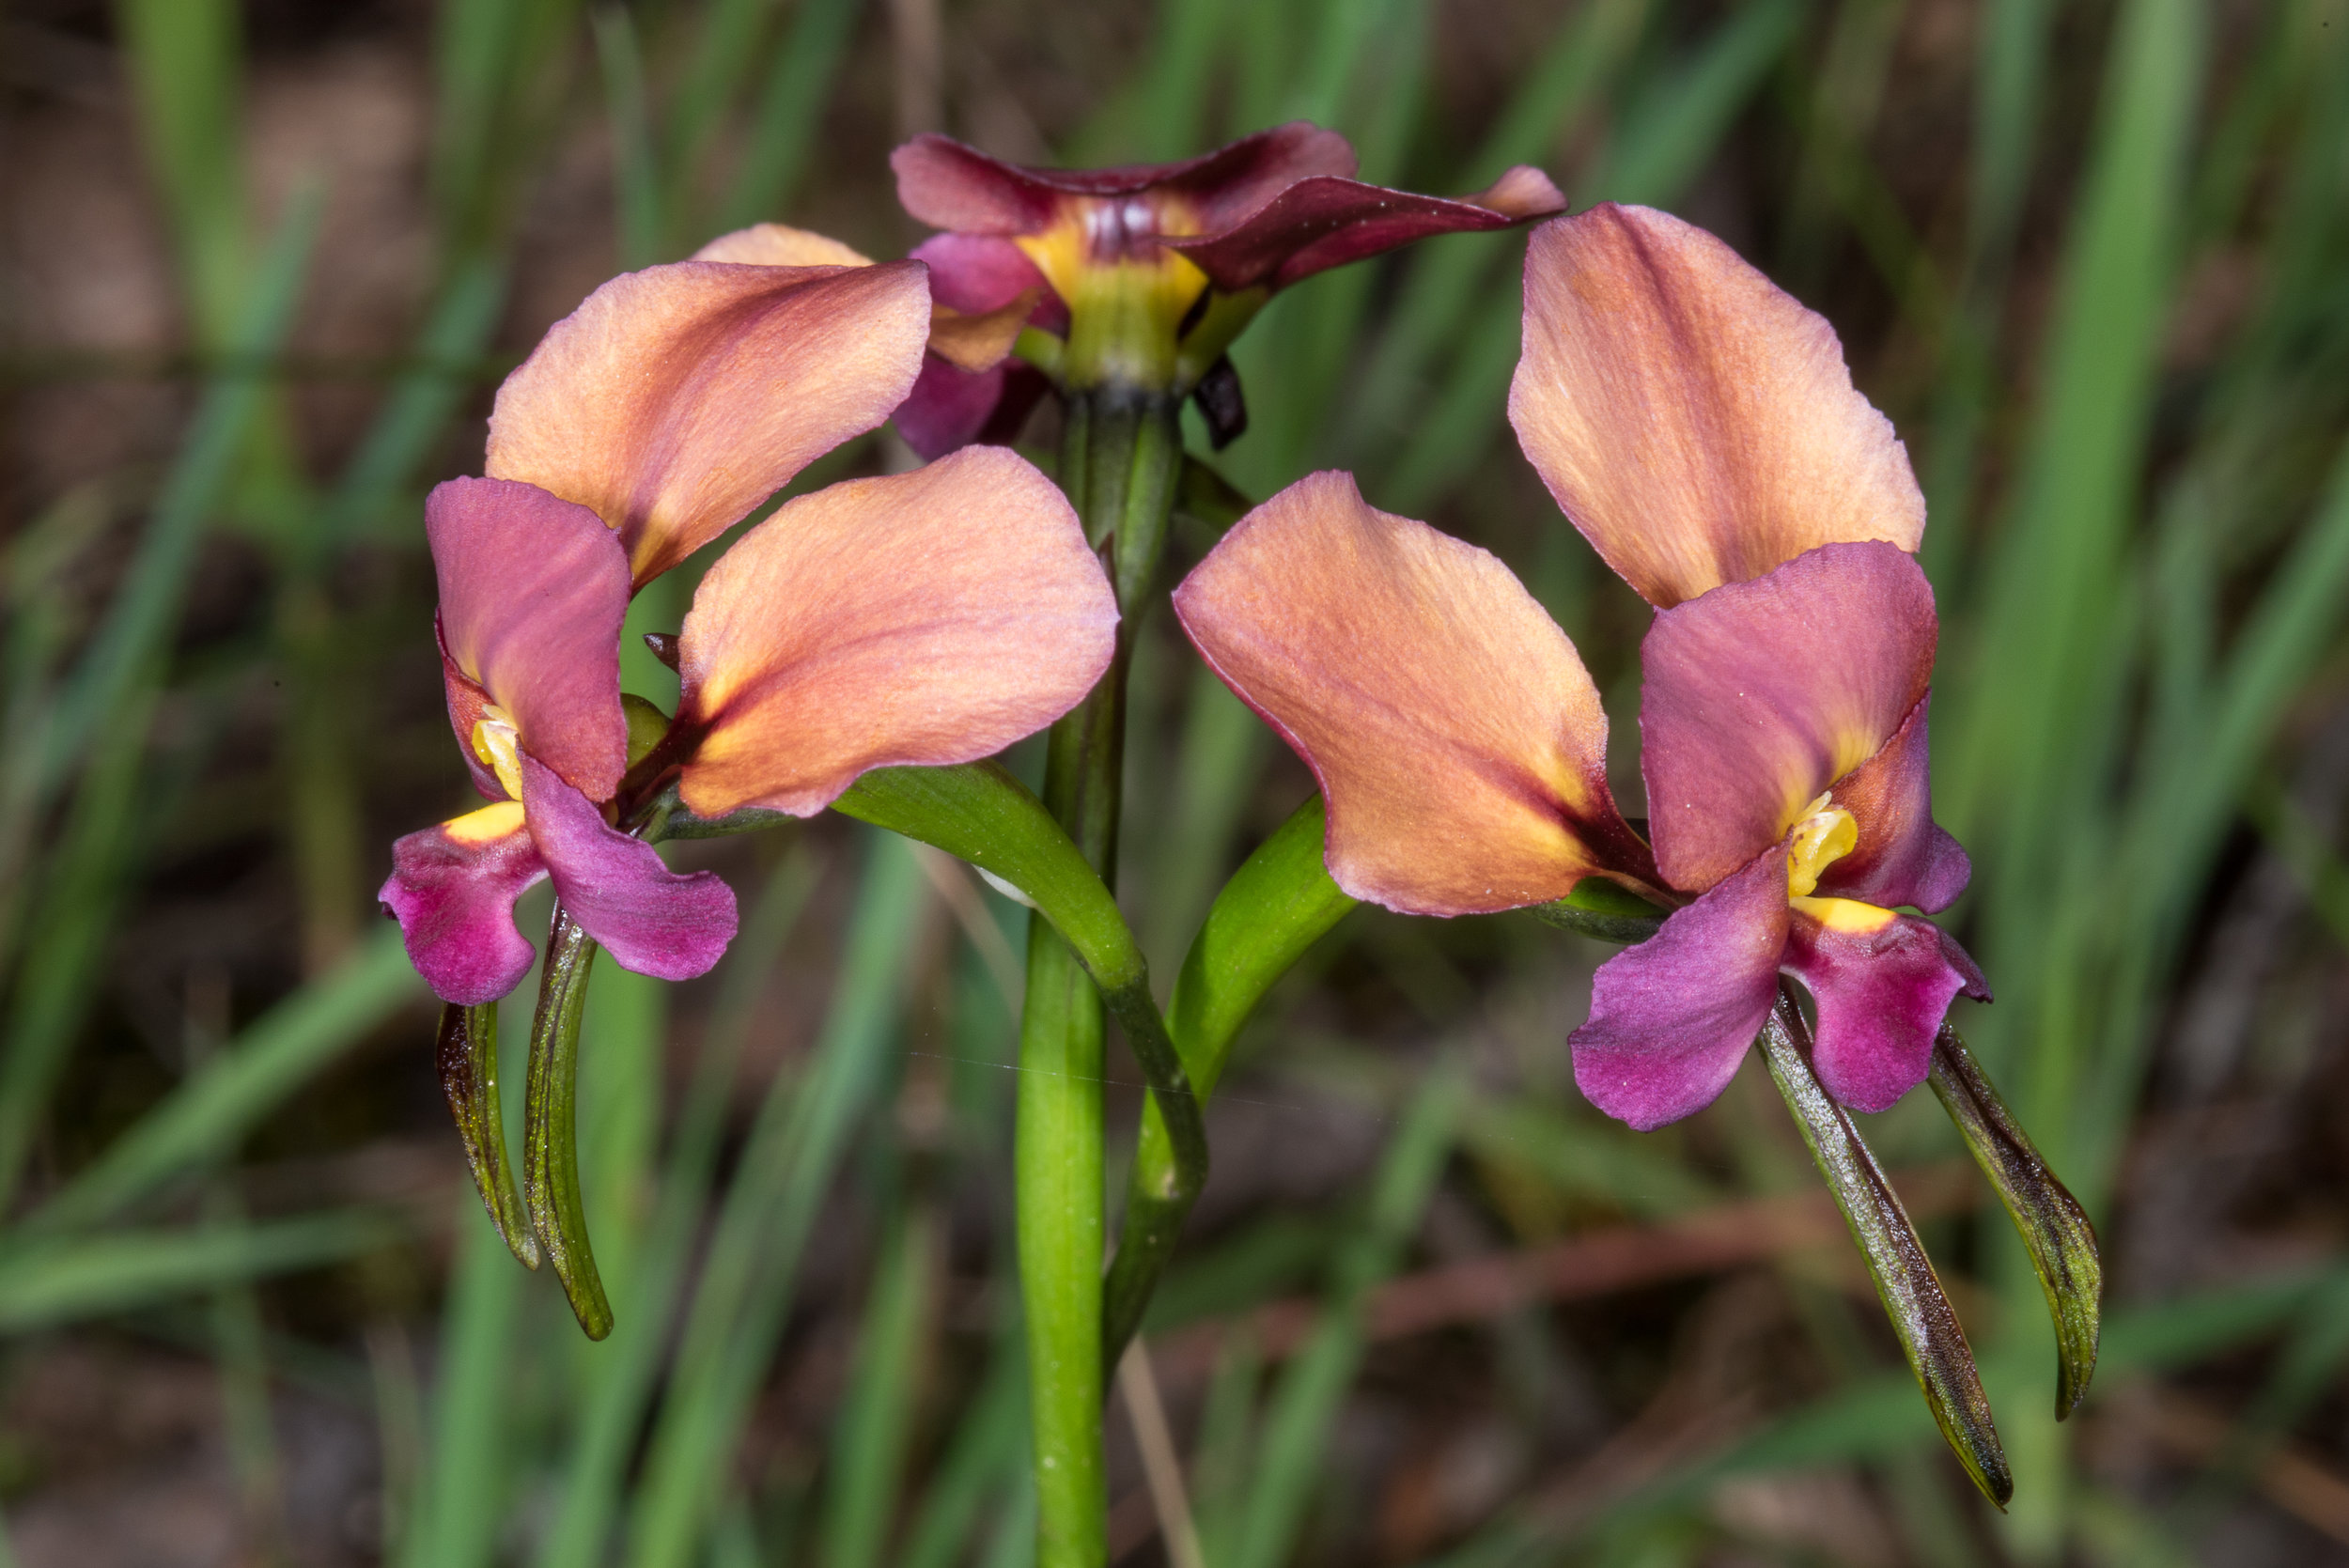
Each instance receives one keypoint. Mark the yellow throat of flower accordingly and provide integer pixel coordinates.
(1126, 295)
(499, 746)
(1823, 834)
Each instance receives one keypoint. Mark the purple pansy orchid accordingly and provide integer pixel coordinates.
(1143, 275)
(928, 617)
(1701, 430)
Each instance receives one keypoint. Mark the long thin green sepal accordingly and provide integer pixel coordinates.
(2053, 1226)
(1911, 1292)
(1276, 906)
(468, 1057)
(550, 1130)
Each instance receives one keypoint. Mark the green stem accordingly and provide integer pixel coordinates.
(1121, 455)
(550, 1127)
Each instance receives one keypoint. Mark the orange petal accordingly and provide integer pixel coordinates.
(1697, 423)
(678, 398)
(928, 617)
(780, 245)
(1456, 736)
(977, 341)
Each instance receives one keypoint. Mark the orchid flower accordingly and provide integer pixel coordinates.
(1143, 276)
(928, 617)
(1701, 429)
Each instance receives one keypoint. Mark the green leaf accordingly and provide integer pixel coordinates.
(1911, 1292)
(2050, 1220)
(467, 1053)
(978, 812)
(1276, 905)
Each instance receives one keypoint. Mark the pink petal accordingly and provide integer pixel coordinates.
(532, 592)
(1456, 736)
(678, 398)
(1881, 996)
(1903, 855)
(1697, 423)
(648, 917)
(928, 617)
(452, 889)
(1323, 222)
(948, 185)
(779, 245)
(1760, 695)
(1671, 1017)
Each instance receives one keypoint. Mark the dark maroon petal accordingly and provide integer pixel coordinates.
(1759, 695)
(951, 186)
(1881, 996)
(651, 919)
(1903, 855)
(978, 273)
(452, 889)
(1671, 1017)
(532, 592)
(1323, 222)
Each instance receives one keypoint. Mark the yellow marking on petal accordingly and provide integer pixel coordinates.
(1126, 295)
(1847, 915)
(499, 746)
(487, 825)
(1824, 833)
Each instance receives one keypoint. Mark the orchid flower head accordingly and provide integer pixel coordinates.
(929, 618)
(1700, 428)
(1143, 275)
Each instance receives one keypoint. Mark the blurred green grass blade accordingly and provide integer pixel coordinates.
(1585, 1157)
(1441, 291)
(139, 622)
(786, 1173)
(1913, 1298)
(462, 1499)
(986, 1452)
(873, 1429)
(635, 166)
(631, 1362)
(799, 80)
(1673, 129)
(1012, 1543)
(500, 69)
(1173, 96)
(273, 1057)
(1663, 143)
(79, 894)
(1845, 93)
(419, 406)
(1291, 1457)
(1224, 1458)
(185, 70)
(46, 1283)
(2057, 574)
(2054, 1228)
(725, 49)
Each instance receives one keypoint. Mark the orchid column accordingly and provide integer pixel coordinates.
(1133, 282)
